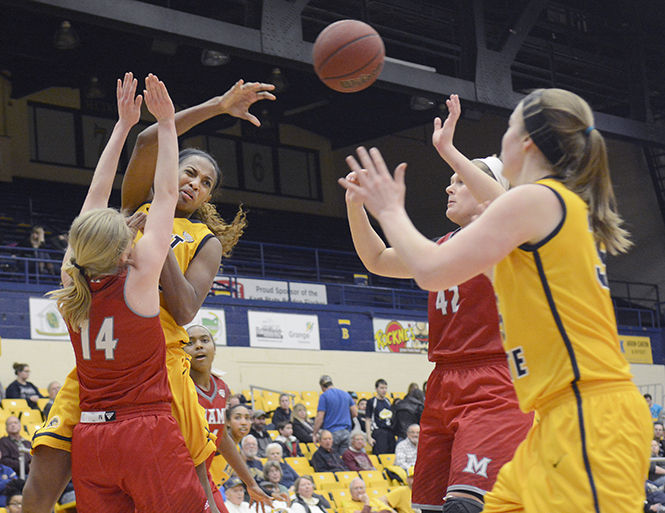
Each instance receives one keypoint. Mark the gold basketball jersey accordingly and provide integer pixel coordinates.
(558, 321)
(188, 238)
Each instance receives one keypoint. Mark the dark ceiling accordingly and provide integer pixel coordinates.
(611, 52)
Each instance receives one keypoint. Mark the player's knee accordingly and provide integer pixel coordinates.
(455, 504)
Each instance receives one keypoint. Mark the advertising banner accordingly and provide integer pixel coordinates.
(400, 336)
(283, 331)
(46, 323)
(215, 321)
(636, 348)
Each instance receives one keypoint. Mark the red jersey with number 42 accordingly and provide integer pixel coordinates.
(214, 402)
(120, 356)
(464, 321)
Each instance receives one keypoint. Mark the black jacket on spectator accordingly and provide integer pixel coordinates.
(324, 461)
(406, 412)
(263, 439)
(303, 432)
(17, 391)
(280, 417)
(9, 451)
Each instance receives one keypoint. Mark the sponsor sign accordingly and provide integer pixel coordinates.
(215, 321)
(400, 336)
(269, 290)
(283, 331)
(307, 293)
(636, 348)
(46, 323)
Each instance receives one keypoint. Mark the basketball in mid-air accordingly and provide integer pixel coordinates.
(348, 56)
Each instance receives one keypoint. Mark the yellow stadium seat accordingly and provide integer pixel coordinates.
(69, 507)
(300, 465)
(387, 459)
(30, 416)
(43, 391)
(247, 394)
(398, 395)
(346, 477)
(15, 406)
(373, 477)
(296, 398)
(258, 404)
(340, 496)
(273, 433)
(41, 402)
(309, 395)
(312, 447)
(3, 510)
(375, 461)
(365, 395)
(30, 429)
(325, 480)
(377, 491)
(304, 448)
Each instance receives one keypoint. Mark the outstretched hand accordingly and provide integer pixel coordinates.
(157, 99)
(129, 107)
(372, 183)
(259, 497)
(442, 137)
(237, 100)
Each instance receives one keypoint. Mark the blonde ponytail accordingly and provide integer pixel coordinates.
(561, 125)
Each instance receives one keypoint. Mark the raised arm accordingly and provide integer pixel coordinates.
(129, 112)
(150, 251)
(483, 187)
(371, 249)
(137, 183)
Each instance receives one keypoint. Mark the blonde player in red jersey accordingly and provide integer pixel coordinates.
(213, 394)
(110, 302)
(547, 239)
(200, 237)
(471, 424)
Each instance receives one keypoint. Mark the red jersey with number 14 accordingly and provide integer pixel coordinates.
(464, 321)
(120, 355)
(214, 402)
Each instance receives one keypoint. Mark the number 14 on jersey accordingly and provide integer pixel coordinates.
(448, 298)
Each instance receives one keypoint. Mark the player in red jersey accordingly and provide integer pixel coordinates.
(471, 424)
(127, 446)
(213, 393)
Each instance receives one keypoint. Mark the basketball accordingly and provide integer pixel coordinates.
(348, 56)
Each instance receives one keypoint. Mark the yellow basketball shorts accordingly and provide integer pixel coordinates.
(188, 413)
(589, 452)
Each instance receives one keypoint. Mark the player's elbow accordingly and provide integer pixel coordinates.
(428, 277)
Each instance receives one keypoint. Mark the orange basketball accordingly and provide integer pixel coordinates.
(348, 56)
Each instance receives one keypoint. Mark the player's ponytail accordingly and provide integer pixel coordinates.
(561, 125)
(97, 240)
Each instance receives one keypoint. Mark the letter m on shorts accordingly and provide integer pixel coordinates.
(473, 466)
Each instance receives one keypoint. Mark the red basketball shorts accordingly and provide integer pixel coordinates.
(470, 427)
(135, 463)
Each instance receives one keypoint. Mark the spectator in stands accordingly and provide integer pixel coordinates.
(283, 412)
(355, 457)
(378, 423)
(238, 422)
(412, 387)
(14, 496)
(272, 471)
(306, 501)
(408, 411)
(21, 388)
(399, 498)
(334, 413)
(659, 435)
(235, 399)
(274, 453)
(359, 420)
(235, 496)
(281, 500)
(361, 502)
(325, 459)
(53, 389)
(259, 431)
(289, 443)
(36, 244)
(655, 409)
(12, 445)
(249, 448)
(302, 427)
(406, 450)
(656, 471)
(7, 474)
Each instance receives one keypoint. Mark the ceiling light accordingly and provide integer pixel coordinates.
(421, 103)
(214, 58)
(65, 37)
(94, 91)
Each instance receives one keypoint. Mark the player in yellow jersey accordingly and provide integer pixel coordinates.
(547, 237)
(200, 239)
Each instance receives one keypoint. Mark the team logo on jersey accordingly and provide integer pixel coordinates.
(222, 392)
(53, 423)
(475, 466)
